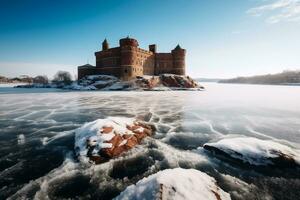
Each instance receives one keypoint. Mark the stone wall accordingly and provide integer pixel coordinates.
(163, 63)
(128, 61)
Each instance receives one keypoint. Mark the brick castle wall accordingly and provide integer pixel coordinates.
(128, 61)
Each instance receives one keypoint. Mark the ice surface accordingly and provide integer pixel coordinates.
(49, 118)
(255, 151)
(177, 184)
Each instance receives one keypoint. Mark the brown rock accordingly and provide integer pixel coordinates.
(122, 143)
(107, 129)
(97, 159)
(131, 142)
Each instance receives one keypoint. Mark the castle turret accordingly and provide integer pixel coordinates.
(128, 57)
(152, 48)
(178, 60)
(105, 45)
(128, 42)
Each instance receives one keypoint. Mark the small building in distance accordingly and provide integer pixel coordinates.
(128, 61)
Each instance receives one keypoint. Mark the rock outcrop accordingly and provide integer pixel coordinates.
(162, 82)
(103, 139)
(175, 81)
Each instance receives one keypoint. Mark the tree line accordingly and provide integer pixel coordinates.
(61, 77)
(285, 77)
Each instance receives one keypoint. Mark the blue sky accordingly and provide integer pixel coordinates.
(223, 38)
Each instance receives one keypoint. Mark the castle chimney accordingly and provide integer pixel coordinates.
(105, 45)
(152, 48)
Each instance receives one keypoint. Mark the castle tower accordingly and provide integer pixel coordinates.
(128, 57)
(178, 60)
(105, 45)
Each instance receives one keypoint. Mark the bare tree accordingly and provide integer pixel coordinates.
(62, 77)
(41, 80)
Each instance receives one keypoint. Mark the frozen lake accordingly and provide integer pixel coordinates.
(37, 139)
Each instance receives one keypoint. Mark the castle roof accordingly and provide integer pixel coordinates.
(178, 47)
(86, 66)
(105, 41)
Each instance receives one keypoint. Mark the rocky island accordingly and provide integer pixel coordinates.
(128, 67)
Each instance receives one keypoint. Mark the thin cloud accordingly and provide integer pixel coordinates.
(279, 11)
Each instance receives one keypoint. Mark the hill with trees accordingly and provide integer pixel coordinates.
(283, 78)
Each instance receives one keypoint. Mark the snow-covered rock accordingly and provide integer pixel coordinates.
(103, 139)
(176, 81)
(157, 83)
(164, 82)
(254, 151)
(97, 81)
(175, 184)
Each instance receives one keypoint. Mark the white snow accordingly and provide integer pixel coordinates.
(97, 77)
(161, 88)
(123, 143)
(21, 139)
(171, 75)
(255, 151)
(75, 86)
(44, 140)
(91, 133)
(116, 86)
(139, 130)
(176, 184)
(101, 82)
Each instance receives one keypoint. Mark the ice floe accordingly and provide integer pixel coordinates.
(256, 151)
(177, 184)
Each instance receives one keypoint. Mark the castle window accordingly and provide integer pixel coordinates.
(125, 70)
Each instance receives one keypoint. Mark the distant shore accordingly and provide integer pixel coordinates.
(290, 78)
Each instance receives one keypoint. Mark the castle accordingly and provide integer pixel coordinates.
(129, 61)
